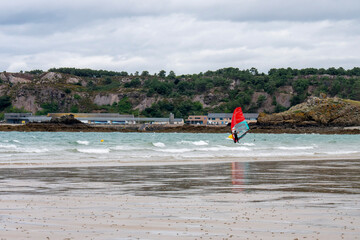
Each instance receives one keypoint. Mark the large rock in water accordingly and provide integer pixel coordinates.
(317, 112)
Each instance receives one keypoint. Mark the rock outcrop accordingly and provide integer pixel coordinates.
(316, 112)
(66, 119)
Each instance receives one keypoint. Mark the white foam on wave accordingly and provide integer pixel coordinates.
(34, 150)
(127, 148)
(17, 141)
(296, 148)
(200, 143)
(175, 150)
(196, 143)
(82, 142)
(223, 148)
(340, 152)
(248, 144)
(8, 146)
(94, 150)
(218, 148)
(159, 144)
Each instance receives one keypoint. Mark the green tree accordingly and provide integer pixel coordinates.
(185, 87)
(51, 107)
(172, 75)
(5, 101)
(74, 109)
(261, 99)
(107, 81)
(254, 71)
(145, 74)
(280, 108)
(134, 83)
(124, 105)
(301, 85)
(162, 74)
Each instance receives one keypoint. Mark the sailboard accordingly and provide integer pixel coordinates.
(239, 126)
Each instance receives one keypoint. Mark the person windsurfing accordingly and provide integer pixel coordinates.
(235, 136)
(239, 125)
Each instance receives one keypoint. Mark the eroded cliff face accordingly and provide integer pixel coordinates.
(317, 112)
(31, 91)
(31, 97)
(106, 98)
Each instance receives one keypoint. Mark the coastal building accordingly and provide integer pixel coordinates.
(99, 118)
(251, 117)
(92, 118)
(22, 118)
(197, 120)
(221, 119)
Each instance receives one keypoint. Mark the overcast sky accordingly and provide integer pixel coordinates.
(186, 36)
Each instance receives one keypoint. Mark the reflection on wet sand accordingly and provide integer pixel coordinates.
(341, 177)
(238, 175)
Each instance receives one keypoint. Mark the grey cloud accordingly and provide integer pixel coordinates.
(185, 36)
(20, 11)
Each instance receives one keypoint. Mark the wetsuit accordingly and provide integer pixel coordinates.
(236, 139)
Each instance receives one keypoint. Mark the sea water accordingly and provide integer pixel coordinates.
(63, 149)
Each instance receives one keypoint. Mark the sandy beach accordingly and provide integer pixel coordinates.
(229, 216)
(273, 200)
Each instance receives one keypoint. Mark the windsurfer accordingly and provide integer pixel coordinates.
(236, 139)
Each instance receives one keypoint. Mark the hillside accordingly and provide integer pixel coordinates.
(86, 90)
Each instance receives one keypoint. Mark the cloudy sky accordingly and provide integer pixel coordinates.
(186, 36)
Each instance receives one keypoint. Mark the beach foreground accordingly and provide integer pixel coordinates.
(254, 200)
(227, 216)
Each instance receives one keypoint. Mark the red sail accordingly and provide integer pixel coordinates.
(237, 117)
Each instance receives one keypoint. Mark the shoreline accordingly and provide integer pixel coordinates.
(254, 128)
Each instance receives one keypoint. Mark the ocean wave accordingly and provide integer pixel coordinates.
(34, 150)
(8, 146)
(175, 150)
(82, 142)
(248, 144)
(196, 143)
(296, 148)
(223, 148)
(127, 148)
(204, 149)
(341, 152)
(200, 143)
(159, 144)
(94, 150)
(17, 141)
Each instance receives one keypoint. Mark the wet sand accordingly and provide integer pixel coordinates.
(261, 200)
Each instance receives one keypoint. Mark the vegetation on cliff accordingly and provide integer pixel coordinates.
(316, 112)
(86, 90)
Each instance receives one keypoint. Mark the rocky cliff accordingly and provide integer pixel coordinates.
(69, 93)
(316, 112)
(86, 90)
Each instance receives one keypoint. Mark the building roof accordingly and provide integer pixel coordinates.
(229, 115)
(220, 115)
(92, 115)
(251, 115)
(17, 115)
(38, 118)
